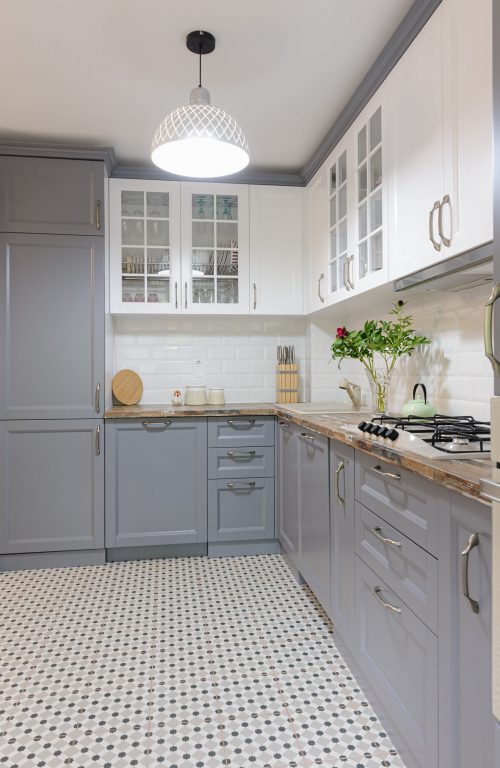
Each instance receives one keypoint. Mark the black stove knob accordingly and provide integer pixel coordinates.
(393, 434)
(372, 428)
(384, 431)
(378, 430)
(362, 426)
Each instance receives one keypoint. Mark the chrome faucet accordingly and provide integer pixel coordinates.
(353, 390)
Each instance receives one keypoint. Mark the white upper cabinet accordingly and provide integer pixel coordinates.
(415, 142)
(145, 264)
(276, 248)
(316, 220)
(440, 138)
(340, 222)
(215, 248)
(467, 218)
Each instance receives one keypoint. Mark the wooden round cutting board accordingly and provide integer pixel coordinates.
(127, 387)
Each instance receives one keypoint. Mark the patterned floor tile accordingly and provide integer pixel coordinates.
(182, 663)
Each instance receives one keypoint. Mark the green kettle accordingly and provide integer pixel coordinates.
(419, 406)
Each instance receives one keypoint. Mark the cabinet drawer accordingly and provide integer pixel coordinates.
(240, 463)
(408, 502)
(404, 566)
(240, 510)
(398, 655)
(241, 431)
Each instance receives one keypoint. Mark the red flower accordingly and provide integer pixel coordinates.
(342, 332)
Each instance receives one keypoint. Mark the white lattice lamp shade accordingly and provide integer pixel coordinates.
(200, 140)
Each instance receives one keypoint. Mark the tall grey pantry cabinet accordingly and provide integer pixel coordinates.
(51, 362)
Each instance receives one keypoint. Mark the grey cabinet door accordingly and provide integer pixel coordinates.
(466, 722)
(156, 482)
(241, 510)
(342, 538)
(51, 326)
(51, 485)
(57, 197)
(398, 655)
(314, 514)
(288, 489)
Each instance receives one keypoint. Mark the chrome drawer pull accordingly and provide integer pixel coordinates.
(377, 591)
(241, 454)
(339, 469)
(379, 471)
(98, 215)
(98, 441)
(241, 486)
(156, 424)
(307, 437)
(246, 421)
(97, 398)
(378, 533)
(285, 424)
(464, 571)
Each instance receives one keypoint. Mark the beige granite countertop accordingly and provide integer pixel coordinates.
(462, 475)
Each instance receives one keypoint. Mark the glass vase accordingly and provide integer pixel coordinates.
(380, 382)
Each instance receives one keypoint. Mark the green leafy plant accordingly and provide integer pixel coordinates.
(387, 339)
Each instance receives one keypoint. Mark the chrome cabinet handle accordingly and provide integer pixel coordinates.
(243, 421)
(446, 240)
(176, 298)
(344, 275)
(241, 486)
(185, 295)
(98, 215)
(97, 398)
(350, 261)
(379, 471)
(488, 329)
(340, 468)
(307, 437)
(254, 296)
(320, 278)
(435, 207)
(377, 591)
(241, 454)
(464, 571)
(285, 424)
(156, 424)
(377, 531)
(98, 441)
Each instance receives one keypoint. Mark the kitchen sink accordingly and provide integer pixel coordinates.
(318, 409)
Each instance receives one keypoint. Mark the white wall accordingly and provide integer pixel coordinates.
(458, 377)
(237, 353)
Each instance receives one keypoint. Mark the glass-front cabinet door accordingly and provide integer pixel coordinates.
(371, 196)
(145, 246)
(215, 245)
(340, 279)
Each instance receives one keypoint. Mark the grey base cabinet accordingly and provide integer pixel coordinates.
(241, 493)
(288, 489)
(314, 514)
(467, 725)
(51, 486)
(156, 482)
(342, 539)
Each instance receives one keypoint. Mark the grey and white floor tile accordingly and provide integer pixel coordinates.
(185, 663)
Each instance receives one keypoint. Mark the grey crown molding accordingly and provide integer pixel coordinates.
(415, 19)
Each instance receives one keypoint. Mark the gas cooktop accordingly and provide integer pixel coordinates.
(436, 437)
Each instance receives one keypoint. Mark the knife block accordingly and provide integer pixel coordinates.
(287, 389)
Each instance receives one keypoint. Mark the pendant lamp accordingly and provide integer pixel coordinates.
(200, 140)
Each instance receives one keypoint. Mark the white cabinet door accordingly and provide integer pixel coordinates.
(145, 258)
(415, 143)
(276, 249)
(215, 248)
(468, 110)
(339, 278)
(316, 204)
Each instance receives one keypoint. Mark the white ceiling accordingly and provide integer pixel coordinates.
(105, 72)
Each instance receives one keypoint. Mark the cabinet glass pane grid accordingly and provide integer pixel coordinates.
(214, 256)
(338, 221)
(145, 241)
(369, 196)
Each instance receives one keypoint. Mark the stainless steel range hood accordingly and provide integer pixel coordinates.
(457, 273)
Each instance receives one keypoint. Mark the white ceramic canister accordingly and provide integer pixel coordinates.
(196, 394)
(216, 396)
